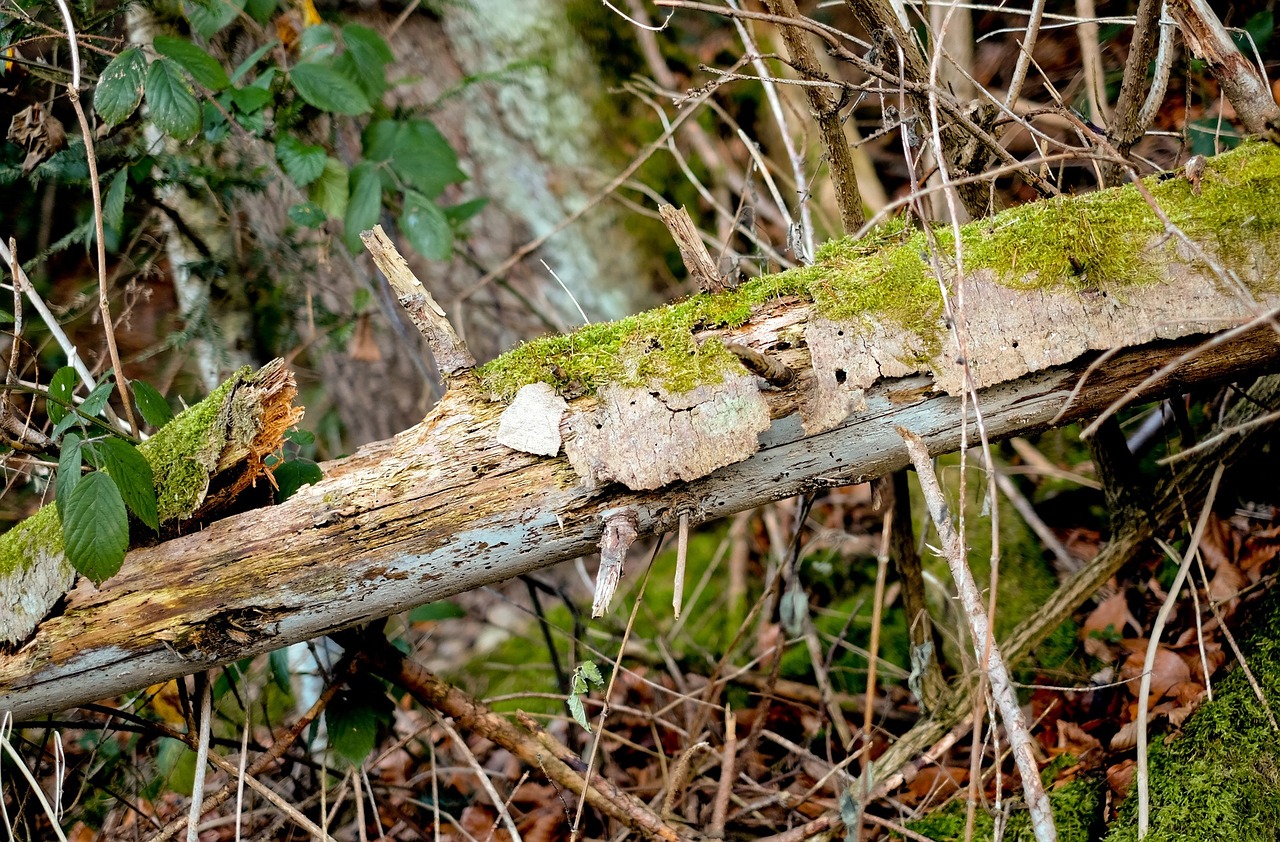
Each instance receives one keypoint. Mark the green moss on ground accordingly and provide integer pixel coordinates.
(1220, 778)
(1077, 810)
(1106, 239)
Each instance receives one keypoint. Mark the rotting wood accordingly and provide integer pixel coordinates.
(693, 252)
(443, 508)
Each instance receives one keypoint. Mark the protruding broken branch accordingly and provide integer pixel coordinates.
(1244, 87)
(693, 252)
(452, 356)
(620, 530)
(771, 369)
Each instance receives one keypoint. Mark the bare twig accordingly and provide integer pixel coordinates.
(1126, 126)
(826, 112)
(202, 758)
(979, 627)
(720, 808)
(450, 352)
(697, 260)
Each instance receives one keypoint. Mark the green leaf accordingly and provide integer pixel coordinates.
(369, 55)
(426, 228)
(69, 461)
(61, 387)
(113, 204)
(254, 57)
(317, 44)
(329, 191)
(365, 204)
(132, 474)
(208, 17)
(65, 424)
(327, 89)
(260, 10)
(354, 716)
(173, 106)
(578, 712)
(307, 214)
(97, 399)
(459, 214)
(280, 671)
(251, 99)
(95, 528)
(294, 474)
(433, 611)
(154, 408)
(302, 162)
(425, 159)
(302, 438)
(120, 86)
(592, 673)
(203, 67)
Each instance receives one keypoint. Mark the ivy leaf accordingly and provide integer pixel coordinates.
(294, 474)
(97, 399)
(95, 527)
(303, 162)
(328, 90)
(203, 67)
(354, 716)
(173, 106)
(61, 387)
(209, 17)
(120, 86)
(69, 461)
(154, 408)
(370, 56)
(329, 191)
(113, 203)
(365, 204)
(426, 228)
(132, 474)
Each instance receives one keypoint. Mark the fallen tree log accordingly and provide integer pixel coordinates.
(445, 507)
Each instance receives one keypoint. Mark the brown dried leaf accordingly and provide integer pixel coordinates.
(1120, 777)
(1168, 669)
(1074, 740)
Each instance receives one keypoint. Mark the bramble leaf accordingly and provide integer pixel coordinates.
(132, 474)
(95, 527)
(120, 86)
(328, 90)
(203, 67)
(174, 108)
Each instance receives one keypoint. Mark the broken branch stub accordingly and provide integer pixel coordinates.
(620, 531)
(693, 252)
(450, 352)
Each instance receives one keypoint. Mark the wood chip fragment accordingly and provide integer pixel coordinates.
(532, 423)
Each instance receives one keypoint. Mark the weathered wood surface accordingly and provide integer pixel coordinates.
(443, 508)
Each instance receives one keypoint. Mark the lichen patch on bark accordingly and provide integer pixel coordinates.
(648, 437)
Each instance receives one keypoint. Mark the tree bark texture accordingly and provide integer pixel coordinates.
(444, 507)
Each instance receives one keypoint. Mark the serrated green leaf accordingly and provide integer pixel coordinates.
(318, 44)
(254, 57)
(65, 424)
(97, 399)
(250, 100)
(95, 527)
(61, 387)
(173, 106)
(327, 89)
(307, 214)
(330, 190)
(302, 162)
(132, 474)
(369, 56)
(435, 611)
(154, 408)
(261, 10)
(113, 203)
(120, 86)
(69, 462)
(365, 205)
(302, 438)
(579, 713)
(209, 17)
(294, 474)
(425, 227)
(424, 159)
(204, 68)
(459, 214)
(354, 716)
(592, 672)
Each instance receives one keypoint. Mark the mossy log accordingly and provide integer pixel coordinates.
(445, 507)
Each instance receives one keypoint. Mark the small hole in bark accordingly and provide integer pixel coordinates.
(841, 376)
(1015, 343)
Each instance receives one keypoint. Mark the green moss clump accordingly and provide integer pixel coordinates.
(1106, 239)
(1220, 779)
(1077, 813)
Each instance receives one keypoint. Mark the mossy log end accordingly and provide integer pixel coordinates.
(444, 507)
